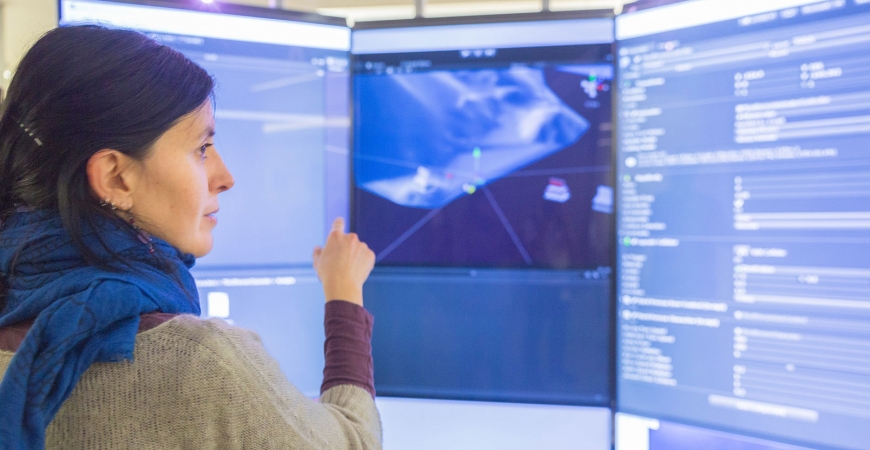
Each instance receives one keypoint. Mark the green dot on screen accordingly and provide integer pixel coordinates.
(476, 152)
(627, 178)
(626, 242)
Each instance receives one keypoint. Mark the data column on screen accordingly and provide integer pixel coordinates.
(744, 224)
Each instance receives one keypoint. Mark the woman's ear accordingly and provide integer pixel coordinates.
(111, 178)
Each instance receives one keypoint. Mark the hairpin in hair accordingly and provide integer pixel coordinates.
(30, 132)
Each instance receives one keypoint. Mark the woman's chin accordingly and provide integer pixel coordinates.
(201, 247)
(203, 250)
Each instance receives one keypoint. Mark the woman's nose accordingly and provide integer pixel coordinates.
(222, 180)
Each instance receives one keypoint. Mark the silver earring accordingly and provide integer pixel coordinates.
(108, 203)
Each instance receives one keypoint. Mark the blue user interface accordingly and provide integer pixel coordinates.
(481, 158)
(281, 111)
(744, 210)
(485, 156)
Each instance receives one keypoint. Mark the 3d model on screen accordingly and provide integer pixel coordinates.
(471, 128)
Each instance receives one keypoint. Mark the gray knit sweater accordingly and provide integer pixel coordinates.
(202, 384)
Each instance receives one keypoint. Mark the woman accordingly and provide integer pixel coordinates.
(109, 183)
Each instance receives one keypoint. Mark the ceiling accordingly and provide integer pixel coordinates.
(360, 10)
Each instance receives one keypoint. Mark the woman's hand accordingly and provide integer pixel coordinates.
(343, 264)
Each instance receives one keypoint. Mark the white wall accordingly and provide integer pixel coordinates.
(22, 22)
(416, 424)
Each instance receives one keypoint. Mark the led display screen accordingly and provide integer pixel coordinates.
(482, 180)
(281, 111)
(743, 218)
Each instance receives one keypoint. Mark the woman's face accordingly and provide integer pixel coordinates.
(178, 183)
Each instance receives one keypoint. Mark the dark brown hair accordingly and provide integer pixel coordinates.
(77, 91)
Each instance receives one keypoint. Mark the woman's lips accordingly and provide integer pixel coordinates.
(212, 217)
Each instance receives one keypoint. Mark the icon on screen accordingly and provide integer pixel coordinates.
(557, 191)
(591, 86)
(603, 200)
(218, 304)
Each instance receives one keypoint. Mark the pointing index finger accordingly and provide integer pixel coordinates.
(338, 225)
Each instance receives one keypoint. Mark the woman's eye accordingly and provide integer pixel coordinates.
(203, 149)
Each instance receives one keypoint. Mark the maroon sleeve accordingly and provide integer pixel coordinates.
(153, 320)
(348, 347)
(11, 336)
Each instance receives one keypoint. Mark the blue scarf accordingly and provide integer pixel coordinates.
(82, 314)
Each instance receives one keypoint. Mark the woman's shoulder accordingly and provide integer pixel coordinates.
(188, 330)
(202, 351)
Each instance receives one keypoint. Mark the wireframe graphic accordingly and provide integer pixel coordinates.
(486, 167)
